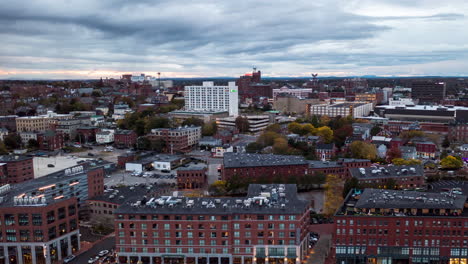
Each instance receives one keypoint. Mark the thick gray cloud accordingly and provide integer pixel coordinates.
(88, 38)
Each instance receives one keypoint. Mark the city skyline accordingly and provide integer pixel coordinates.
(85, 39)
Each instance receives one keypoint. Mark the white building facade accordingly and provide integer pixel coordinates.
(211, 98)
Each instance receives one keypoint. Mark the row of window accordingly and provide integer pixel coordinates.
(404, 242)
(11, 235)
(434, 223)
(37, 219)
(290, 251)
(210, 234)
(406, 232)
(237, 242)
(210, 218)
(208, 226)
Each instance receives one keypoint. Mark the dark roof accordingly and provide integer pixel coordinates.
(123, 132)
(387, 172)
(325, 146)
(10, 158)
(324, 164)
(237, 160)
(379, 198)
(119, 195)
(260, 199)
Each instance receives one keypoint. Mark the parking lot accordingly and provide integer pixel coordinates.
(47, 165)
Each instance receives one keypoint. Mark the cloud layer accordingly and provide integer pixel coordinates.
(90, 39)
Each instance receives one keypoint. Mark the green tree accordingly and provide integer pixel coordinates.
(143, 143)
(295, 128)
(209, 129)
(325, 133)
(400, 161)
(363, 150)
(33, 144)
(3, 149)
(351, 183)
(446, 142)
(253, 147)
(158, 145)
(375, 130)
(12, 141)
(218, 188)
(333, 187)
(280, 146)
(451, 162)
(274, 128)
(193, 121)
(242, 124)
(268, 138)
(393, 153)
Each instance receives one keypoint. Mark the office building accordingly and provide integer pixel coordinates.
(39, 123)
(257, 123)
(212, 98)
(269, 225)
(428, 91)
(387, 226)
(39, 217)
(177, 140)
(16, 169)
(37, 228)
(422, 113)
(354, 109)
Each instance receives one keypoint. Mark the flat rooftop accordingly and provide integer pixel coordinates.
(391, 199)
(266, 199)
(387, 172)
(33, 186)
(236, 160)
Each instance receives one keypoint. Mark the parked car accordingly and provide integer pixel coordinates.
(90, 154)
(93, 259)
(102, 253)
(68, 259)
(51, 165)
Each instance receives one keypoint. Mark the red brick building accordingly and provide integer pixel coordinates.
(177, 140)
(50, 140)
(325, 151)
(386, 226)
(124, 158)
(251, 229)
(125, 138)
(39, 218)
(38, 232)
(191, 177)
(17, 169)
(258, 165)
(425, 149)
(86, 134)
(341, 167)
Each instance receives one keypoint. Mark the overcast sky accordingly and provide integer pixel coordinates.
(182, 38)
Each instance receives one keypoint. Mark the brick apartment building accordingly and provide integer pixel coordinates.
(50, 140)
(341, 167)
(257, 165)
(386, 226)
(16, 169)
(8, 122)
(86, 134)
(40, 217)
(269, 225)
(125, 138)
(37, 228)
(404, 176)
(102, 207)
(177, 140)
(192, 177)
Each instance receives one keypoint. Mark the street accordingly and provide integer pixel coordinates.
(107, 243)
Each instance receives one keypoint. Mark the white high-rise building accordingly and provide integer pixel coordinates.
(211, 98)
